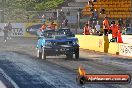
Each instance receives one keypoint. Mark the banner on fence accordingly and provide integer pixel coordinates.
(18, 29)
(125, 49)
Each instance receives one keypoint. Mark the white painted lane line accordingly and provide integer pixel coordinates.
(2, 85)
(9, 79)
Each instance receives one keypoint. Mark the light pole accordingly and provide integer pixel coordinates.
(57, 18)
(78, 21)
(60, 17)
(2, 11)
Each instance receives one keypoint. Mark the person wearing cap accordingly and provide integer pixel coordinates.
(114, 29)
(86, 29)
(106, 26)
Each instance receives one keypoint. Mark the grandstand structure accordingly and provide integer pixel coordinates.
(113, 8)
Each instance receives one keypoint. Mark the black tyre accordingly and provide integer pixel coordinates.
(77, 54)
(69, 55)
(39, 54)
(43, 54)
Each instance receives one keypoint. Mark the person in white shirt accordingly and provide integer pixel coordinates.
(97, 27)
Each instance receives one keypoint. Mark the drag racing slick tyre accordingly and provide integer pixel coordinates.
(39, 54)
(77, 54)
(69, 55)
(43, 54)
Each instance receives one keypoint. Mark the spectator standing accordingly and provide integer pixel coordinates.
(127, 22)
(52, 26)
(66, 22)
(114, 29)
(120, 21)
(9, 30)
(43, 19)
(95, 14)
(5, 31)
(86, 29)
(121, 24)
(51, 19)
(97, 28)
(92, 20)
(43, 27)
(106, 26)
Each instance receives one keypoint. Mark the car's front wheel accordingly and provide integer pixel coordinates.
(39, 54)
(43, 54)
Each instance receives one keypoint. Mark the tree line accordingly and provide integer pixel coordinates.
(18, 9)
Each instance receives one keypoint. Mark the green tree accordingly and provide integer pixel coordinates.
(48, 4)
(33, 4)
(18, 9)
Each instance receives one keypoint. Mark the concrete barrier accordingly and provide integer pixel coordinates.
(91, 42)
(101, 43)
(113, 48)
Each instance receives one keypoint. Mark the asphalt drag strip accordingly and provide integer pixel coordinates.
(18, 61)
(31, 73)
(6, 81)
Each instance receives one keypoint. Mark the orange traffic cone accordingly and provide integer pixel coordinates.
(119, 37)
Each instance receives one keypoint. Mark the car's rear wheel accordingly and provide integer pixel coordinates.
(77, 54)
(39, 54)
(43, 54)
(69, 55)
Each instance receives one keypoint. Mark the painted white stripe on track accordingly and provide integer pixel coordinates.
(9, 79)
(2, 85)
